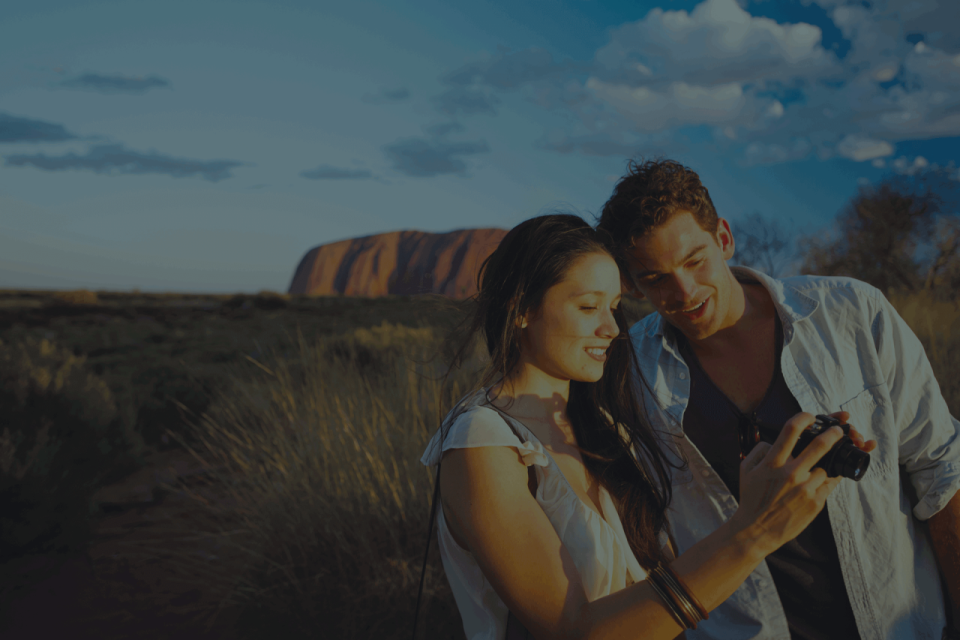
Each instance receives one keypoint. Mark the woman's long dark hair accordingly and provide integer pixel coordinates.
(618, 445)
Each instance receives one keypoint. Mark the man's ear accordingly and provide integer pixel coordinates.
(725, 238)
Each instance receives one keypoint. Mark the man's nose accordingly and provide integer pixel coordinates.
(685, 288)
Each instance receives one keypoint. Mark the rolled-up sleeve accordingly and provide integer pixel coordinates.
(929, 437)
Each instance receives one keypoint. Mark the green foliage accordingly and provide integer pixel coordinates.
(321, 454)
(59, 435)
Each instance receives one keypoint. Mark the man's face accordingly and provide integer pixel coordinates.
(682, 270)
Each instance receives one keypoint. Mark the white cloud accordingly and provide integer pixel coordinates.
(718, 42)
(908, 167)
(770, 92)
(676, 105)
(760, 153)
(860, 149)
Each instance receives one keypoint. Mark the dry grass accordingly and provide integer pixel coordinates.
(319, 456)
(936, 323)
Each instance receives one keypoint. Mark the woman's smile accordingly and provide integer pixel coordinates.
(597, 353)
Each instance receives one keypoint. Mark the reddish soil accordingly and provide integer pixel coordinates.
(147, 574)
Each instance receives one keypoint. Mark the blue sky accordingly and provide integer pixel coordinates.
(207, 145)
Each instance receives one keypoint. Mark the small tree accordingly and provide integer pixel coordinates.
(896, 235)
(762, 244)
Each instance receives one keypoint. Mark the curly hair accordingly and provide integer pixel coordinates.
(648, 196)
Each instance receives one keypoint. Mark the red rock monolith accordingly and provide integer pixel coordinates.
(399, 262)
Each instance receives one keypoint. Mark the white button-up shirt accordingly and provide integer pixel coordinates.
(845, 349)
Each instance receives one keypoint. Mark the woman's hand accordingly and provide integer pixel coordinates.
(780, 495)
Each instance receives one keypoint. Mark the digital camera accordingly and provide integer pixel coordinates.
(843, 459)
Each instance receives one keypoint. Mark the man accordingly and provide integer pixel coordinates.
(731, 349)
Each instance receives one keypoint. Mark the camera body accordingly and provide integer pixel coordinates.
(843, 459)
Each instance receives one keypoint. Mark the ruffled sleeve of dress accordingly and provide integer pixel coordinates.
(470, 424)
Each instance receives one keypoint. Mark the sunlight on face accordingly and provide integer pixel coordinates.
(567, 337)
(682, 270)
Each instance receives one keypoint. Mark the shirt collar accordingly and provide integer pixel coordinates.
(791, 304)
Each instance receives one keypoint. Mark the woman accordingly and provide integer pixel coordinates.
(545, 516)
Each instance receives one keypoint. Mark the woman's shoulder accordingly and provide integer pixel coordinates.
(471, 423)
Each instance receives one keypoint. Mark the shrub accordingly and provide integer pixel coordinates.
(321, 457)
(59, 435)
(166, 394)
(77, 297)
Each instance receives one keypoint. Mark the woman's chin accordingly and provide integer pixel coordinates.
(591, 374)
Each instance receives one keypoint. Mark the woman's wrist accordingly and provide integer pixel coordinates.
(717, 565)
(749, 539)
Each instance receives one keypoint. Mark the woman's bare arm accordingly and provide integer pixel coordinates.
(491, 513)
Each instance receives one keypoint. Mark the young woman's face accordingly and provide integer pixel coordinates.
(568, 336)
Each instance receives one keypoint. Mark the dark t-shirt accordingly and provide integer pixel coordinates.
(806, 570)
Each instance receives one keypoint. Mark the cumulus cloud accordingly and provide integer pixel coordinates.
(773, 153)
(387, 96)
(15, 129)
(676, 105)
(424, 157)
(328, 172)
(936, 21)
(114, 159)
(717, 43)
(115, 83)
(904, 165)
(859, 148)
(770, 92)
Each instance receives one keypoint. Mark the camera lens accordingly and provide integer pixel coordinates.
(851, 462)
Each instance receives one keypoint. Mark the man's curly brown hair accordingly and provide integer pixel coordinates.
(647, 196)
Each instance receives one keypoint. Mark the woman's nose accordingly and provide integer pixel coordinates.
(608, 327)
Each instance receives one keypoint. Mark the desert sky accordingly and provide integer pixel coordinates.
(206, 145)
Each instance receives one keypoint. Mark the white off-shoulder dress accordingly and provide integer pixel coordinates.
(598, 546)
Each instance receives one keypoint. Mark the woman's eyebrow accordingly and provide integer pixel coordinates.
(589, 293)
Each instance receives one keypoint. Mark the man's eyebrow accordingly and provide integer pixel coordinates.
(647, 274)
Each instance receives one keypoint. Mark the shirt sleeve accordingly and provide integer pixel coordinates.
(929, 437)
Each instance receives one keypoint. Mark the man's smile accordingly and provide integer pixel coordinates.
(695, 311)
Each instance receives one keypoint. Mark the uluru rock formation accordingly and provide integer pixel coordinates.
(400, 262)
